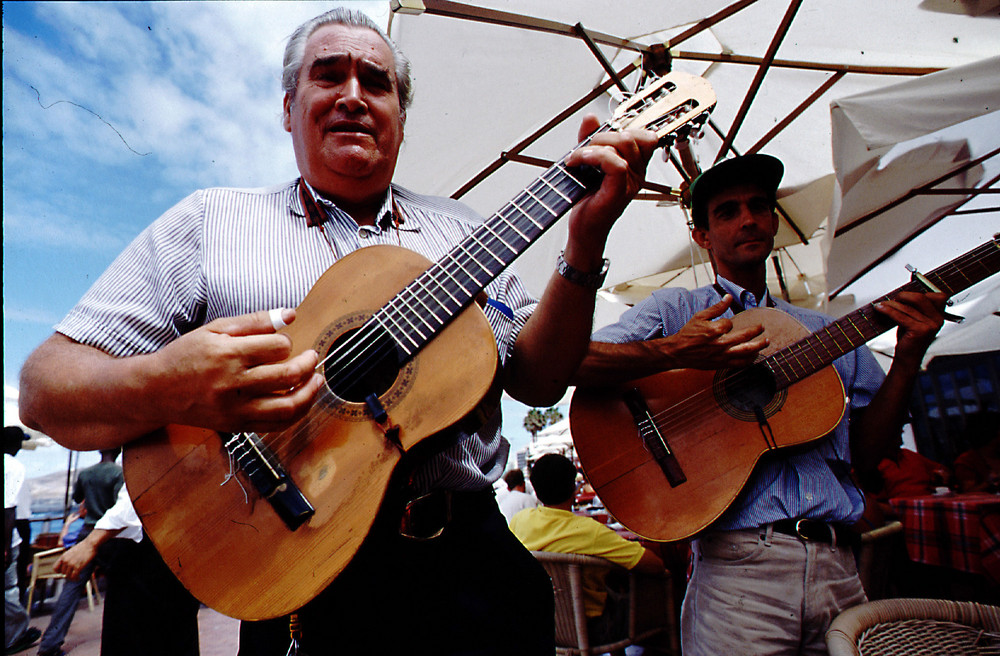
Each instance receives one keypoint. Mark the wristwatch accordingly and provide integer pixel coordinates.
(589, 280)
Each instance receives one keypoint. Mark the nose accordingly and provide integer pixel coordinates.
(351, 97)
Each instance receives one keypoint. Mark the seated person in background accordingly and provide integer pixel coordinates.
(517, 499)
(906, 473)
(978, 469)
(554, 527)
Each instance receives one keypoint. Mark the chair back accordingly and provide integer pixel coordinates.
(915, 626)
(650, 609)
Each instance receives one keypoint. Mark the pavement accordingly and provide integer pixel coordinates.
(218, 634)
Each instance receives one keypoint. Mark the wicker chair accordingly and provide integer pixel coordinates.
(915, 627)
(651, 605)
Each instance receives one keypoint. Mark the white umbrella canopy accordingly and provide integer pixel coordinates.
(489, 86)
(897, 151)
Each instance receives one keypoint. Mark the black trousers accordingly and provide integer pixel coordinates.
(472, 590)
(146, 609)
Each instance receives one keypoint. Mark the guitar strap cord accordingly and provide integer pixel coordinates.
(765, 427)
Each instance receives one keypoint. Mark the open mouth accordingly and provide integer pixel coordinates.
(346, 127)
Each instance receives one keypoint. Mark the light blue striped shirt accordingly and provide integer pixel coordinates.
(813, 483)
(223, 252)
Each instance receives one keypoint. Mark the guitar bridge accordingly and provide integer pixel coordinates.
(270, 480)
(652, 438)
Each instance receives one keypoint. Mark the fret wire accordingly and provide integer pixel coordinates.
(826, 331)
(453, 279)
(539, 201)
(556, 189)
(526, 214)
(850, 320)
(510, 224)
(487, 249)
(379, 316)
(778, 362)
(500, 238)
(433, 272)
(569, 175)
(412, 290)
(402, 316)
(453, 258)
(471, 256)
(840, 327)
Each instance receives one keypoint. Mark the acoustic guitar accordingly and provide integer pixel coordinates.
(255, 525)
(668, 453)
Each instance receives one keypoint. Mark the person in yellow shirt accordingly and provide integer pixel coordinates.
(554, 527)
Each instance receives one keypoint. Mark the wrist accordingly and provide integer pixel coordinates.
(591, 277)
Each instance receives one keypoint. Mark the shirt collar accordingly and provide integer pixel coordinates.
(745, 298)
(332, 212)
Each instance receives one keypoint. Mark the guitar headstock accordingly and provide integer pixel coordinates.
(673, 102)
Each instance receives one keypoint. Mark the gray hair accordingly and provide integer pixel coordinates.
(296, 48)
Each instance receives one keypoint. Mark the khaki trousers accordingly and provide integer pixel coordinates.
(759, 592)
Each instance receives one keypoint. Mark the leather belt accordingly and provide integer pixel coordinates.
(811, 530)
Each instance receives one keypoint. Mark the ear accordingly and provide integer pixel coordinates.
(700, 236)
(286, 113)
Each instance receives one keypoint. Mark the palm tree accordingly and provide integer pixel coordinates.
(537, 419)
(534, 421)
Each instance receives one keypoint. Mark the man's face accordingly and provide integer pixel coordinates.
(345, 117)
(741, 228)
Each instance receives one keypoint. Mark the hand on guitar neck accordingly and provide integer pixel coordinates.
(705, 342)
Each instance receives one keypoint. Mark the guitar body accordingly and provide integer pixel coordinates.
(715, 440)
(225, 543)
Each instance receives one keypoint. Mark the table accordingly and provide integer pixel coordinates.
(961, 531)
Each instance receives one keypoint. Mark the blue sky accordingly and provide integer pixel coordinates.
(113, 112)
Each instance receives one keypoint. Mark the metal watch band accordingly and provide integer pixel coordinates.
(589, 280)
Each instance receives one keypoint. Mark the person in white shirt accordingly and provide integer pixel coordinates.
(517, 499)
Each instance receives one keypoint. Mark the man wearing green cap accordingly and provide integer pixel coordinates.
(776, 567)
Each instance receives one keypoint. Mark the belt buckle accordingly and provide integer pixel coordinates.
(425, 517)
(800, 528)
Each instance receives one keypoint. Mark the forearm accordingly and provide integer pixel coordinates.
(84, 398)
(876, 433)
(609, 364)
(551, 344)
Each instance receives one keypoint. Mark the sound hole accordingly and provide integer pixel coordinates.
(361, 362)
(740, 392)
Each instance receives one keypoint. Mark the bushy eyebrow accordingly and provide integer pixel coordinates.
(369, 68)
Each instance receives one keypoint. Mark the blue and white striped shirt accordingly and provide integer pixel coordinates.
(223, 252)
(813, 483)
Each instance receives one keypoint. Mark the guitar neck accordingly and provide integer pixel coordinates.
(415, 315)
(812, 353)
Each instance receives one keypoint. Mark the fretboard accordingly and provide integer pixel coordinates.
(419, 312)
(812, 353)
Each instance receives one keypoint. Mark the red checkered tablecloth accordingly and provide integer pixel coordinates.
(961, 531)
